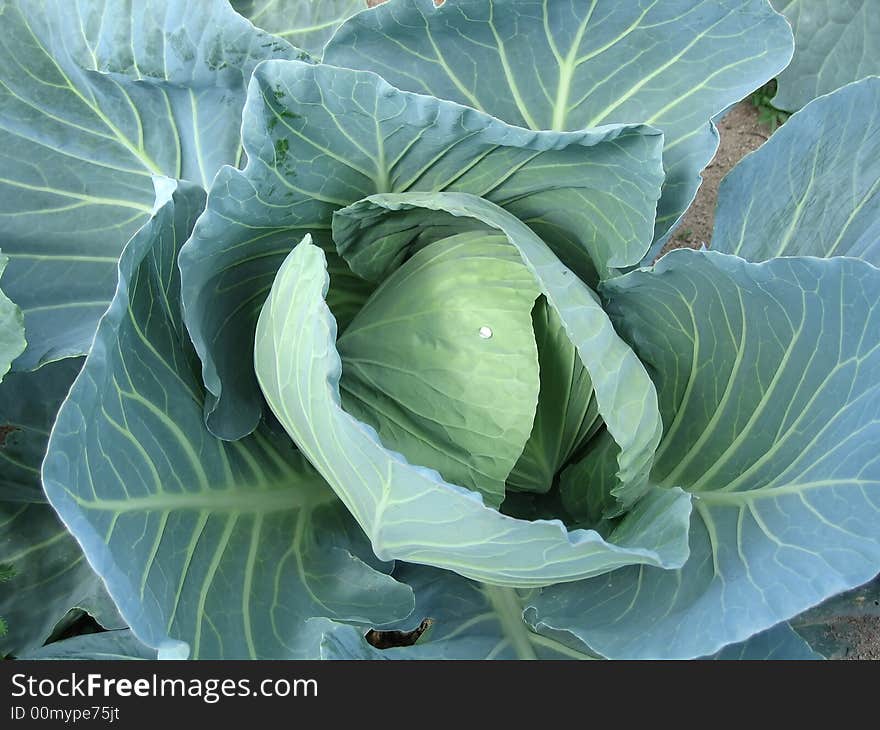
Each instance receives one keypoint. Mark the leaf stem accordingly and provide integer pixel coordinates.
(506, 604)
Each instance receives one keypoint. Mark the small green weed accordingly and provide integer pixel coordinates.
(768, 115)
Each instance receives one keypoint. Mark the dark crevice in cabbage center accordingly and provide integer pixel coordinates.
(567, 415)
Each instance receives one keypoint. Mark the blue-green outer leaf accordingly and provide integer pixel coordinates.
(12, 342)
(814, 188)
(781, 643)
(836, 43)
(308, 24)
(51, 574)
(209, 549)
(471, 621)
(468, 621)
(574, 64)
(769, 384)
(97, 97)
(29, 403)
(117, 645)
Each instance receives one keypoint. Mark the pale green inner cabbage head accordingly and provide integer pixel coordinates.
(460, 364)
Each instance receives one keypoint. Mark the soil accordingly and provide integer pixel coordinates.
(859, 637)
(741, 133)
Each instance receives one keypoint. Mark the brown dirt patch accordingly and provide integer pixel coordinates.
(741, 133)
(864, 635)
(854, 637)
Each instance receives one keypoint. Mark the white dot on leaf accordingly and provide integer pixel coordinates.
(485, 333)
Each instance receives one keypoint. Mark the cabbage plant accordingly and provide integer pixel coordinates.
(387, 348)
